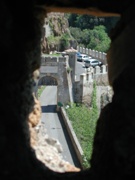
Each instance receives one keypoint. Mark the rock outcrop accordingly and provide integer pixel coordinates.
(55, 25)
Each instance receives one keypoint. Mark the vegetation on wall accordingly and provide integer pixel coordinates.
(40, 90)
(60, 37)
(53, 40)
(84, 120)
(62, 42)
(69, 69)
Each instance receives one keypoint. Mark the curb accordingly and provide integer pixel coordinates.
(72, 135)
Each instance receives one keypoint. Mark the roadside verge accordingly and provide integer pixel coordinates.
(72, 135)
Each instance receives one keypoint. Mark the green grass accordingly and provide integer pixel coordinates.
(40, 90)
(84, 122)
(53, 55)
(56, 54)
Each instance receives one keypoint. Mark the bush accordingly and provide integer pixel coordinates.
(84, 121)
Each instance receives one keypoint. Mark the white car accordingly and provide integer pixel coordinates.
(93, 63)
(83, 57)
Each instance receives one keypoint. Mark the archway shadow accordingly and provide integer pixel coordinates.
(49, 109)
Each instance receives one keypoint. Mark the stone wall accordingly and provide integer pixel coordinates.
(57, 68)
(83, 88)
(114, 142)
(68, 89)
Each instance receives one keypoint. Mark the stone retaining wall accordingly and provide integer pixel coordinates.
(72, 135)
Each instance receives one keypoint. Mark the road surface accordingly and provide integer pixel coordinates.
(80, 69)
(54, 124)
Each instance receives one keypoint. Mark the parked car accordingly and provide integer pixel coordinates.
(83, 57)
(93, 63)
(78, 54)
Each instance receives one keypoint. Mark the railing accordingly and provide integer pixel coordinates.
(93, 53)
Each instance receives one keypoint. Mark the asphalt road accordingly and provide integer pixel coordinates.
(54, 124)
(80, 69)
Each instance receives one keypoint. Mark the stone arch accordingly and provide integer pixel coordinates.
(54, 69)
(48, 80)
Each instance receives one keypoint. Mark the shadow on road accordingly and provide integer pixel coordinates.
(53, 109)
(49, 109)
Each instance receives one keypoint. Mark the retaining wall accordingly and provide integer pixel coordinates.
(72, 135)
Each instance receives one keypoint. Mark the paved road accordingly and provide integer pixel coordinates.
(54, 124)
(80, 69)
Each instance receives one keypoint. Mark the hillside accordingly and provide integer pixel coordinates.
(62, 31)
(55, 33)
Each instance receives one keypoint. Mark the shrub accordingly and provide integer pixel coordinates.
(84, 121)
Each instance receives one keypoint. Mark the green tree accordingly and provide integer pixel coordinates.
(72, 18)
(99, 39)
(85, 38)
(96, 38)
(77, 34)
(64, 41)
(110, 22)
(89, 22)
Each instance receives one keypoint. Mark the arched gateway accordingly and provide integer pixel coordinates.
(48, 80)
(53, 71)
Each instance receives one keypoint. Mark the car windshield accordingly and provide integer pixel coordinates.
(94, 61)
(87, 61)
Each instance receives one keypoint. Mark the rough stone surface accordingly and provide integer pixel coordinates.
(55, 24)
(113, 156)
(49, 150)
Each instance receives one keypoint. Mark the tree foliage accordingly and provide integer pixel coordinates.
(64, 41)
(99, 39)
(89, 22)
(96, 38)
(92, 32)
